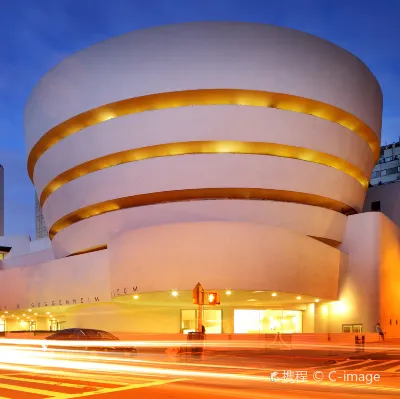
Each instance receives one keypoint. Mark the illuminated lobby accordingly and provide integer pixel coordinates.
(233, 154)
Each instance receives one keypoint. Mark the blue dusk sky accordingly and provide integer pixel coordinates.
(38, 34)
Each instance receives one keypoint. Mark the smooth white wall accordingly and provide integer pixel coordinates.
(200, 55)
(237, 256)
(308, 220)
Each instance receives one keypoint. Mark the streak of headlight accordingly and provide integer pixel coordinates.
(15, 357)
(69, 355)
(35, 362)
(223, 344)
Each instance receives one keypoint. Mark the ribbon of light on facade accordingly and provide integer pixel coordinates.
(89, 250)
(178, 99)
(202, 147)
(196, 195)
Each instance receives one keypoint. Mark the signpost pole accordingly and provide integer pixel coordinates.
(198, 298)
(200, 310)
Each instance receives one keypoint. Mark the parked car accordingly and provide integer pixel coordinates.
(85, 334)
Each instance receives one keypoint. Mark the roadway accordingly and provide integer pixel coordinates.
(33, 374)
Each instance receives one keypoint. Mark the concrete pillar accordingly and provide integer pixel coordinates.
(309, 318)
(227, 320)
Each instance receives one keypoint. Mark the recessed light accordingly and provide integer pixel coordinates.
(6, 312)
(29, 310)
(299, 297)
(228, 292)
(317, 300)
(136, 297)
(256, 292)
(273, 294)
(35, 314)
(174, 293)
(252, 300)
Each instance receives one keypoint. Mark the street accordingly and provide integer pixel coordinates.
(27, 373)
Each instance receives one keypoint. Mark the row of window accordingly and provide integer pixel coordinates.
(385, 172)
(389, 159)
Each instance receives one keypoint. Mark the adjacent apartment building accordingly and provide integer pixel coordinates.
(384, 191)
(1, 200)
(387, 169)
(41, 230)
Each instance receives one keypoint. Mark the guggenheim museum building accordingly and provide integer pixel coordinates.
(237, 155)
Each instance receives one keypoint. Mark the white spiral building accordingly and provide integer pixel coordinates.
(226, 153)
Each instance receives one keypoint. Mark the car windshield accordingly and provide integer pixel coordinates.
(100, 335)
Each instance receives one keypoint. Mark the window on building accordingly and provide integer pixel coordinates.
(375, 174)
(388, 159)
(376, 206)
(212, 320)
(383, 172)
(267, 321)
(391, 171)
(352, 328)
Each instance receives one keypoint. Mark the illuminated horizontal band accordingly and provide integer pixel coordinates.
(178, 99)
(89, 250)
(202, 147)
(194, 195)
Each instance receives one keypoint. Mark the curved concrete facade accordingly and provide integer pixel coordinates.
(238, 256)
(231, 147)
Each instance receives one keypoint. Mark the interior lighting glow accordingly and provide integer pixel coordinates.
(228, 292)
(299, 297)
(339, 307)
(174, 293)
(6, 312)
(273, 294)
(136, 297)
(317, 300)
(29, 310)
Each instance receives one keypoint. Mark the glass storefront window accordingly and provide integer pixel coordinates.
(267, 321)
(2, 325)
(188, 320)
(212, 321)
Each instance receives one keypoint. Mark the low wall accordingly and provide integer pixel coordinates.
(258, 341)
(217, 341)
